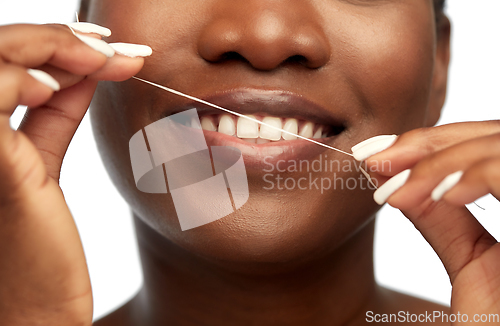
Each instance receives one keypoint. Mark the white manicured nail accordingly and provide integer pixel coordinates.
(132, 50)
(98, 45)
(84, 27)
(372, 146)
(449, 182)
(387, 189)
(45, 79)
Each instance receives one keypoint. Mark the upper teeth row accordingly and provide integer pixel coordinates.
(251, 130)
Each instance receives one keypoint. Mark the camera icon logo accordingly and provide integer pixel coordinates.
(171, 156)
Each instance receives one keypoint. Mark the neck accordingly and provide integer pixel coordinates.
(183, 289)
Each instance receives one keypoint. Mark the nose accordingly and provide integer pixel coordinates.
(266, 34)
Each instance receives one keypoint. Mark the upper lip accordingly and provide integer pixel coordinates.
(265, 102)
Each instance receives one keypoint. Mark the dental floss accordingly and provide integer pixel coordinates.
(71, 29)
(77, 20)
(479, 206)
(367, 176)
(173, 91)
(239, 115)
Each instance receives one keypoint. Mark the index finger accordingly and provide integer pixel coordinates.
(35, 45)
(413, 146)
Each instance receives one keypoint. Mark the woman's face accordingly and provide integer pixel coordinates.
(359, 68)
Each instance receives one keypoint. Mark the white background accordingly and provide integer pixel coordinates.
(403, 259)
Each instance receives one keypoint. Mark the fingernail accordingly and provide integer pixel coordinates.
(45, 79)
(84, 27)
(372, 146)
(387, 189)
(449, 182)
(98, 45)
(132, 50)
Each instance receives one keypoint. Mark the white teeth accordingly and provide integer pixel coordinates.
(307, 130)
(262, 141)
(247, 128)
(255, 133)
(318, 132)
(268, 132)
(291, 125)
(226, 125)
(207, 124)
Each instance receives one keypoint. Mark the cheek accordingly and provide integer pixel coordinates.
(389, 62)
(156, 23)
(397, 80)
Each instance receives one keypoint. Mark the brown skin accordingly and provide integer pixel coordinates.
(285, 258)
(383, 67)
(359, 86)
(43, 274)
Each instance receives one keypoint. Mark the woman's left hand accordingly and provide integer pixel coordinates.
(416, 164)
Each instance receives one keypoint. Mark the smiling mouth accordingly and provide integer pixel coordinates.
(283, 115)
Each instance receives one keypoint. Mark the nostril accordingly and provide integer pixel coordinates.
(300, 59)
(231, 56)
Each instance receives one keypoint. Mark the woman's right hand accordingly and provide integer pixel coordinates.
(43, 272)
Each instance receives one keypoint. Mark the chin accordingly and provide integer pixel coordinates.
(273, 232)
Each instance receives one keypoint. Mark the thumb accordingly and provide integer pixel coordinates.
(52, 126)
(453, 232)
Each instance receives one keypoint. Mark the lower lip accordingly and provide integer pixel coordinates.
(259, 156)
